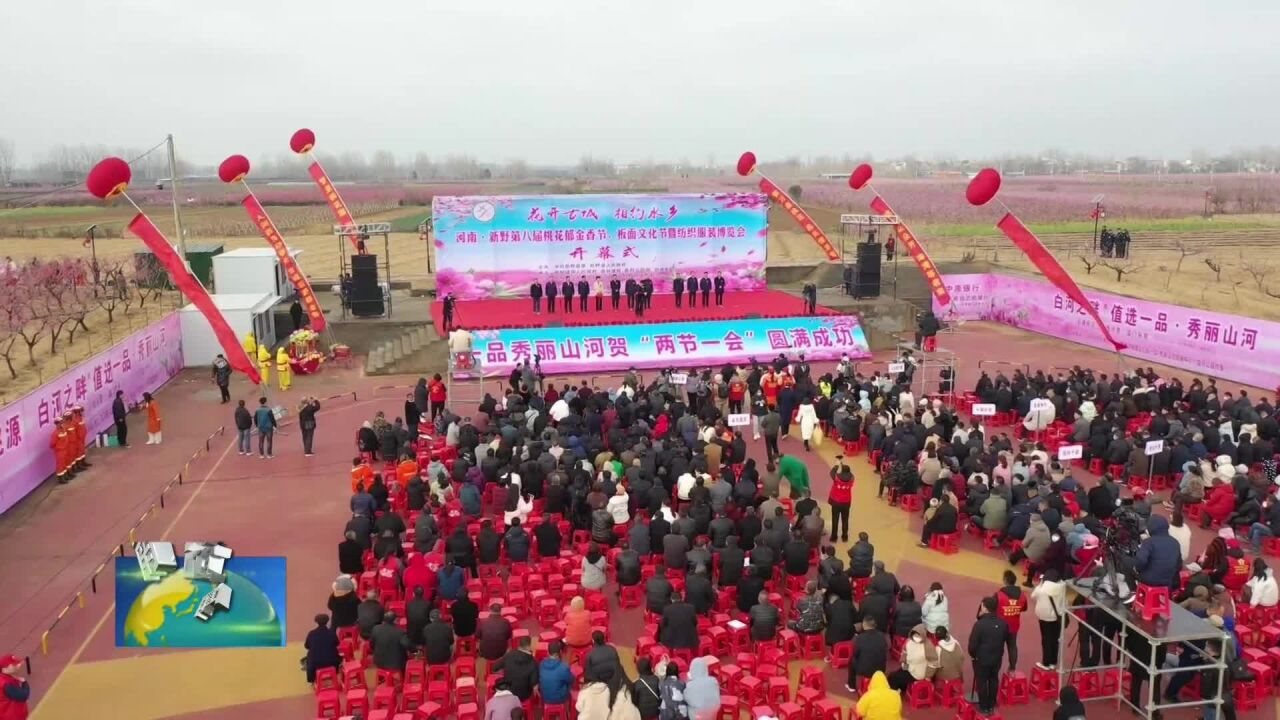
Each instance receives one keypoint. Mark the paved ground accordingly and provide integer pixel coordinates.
(294, 506)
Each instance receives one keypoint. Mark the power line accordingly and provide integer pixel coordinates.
(35, 198)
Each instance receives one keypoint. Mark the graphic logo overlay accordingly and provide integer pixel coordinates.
(207, 597)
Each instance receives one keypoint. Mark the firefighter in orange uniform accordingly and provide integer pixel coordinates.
(361, 474)
(63, 455)
(81, 437)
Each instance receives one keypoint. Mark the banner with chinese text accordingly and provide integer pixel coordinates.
(1208, 343)
(495, 247)
(140, 363)
(681, 345)
(332, 198)
(306, 296)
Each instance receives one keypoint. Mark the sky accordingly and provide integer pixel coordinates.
(664, 80)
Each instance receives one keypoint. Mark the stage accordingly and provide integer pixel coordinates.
(518, 312)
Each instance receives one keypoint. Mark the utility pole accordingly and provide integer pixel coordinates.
(173, 190)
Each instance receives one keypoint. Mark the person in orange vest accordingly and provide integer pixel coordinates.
(1011, 602)
(153, 419)
(361, 474)
(81, 437)
(769, 386)
(406, 470)
(60, 443)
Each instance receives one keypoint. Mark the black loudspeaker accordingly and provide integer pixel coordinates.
(866, 282)
(366, 295)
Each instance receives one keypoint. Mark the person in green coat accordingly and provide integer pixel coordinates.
(795, 472)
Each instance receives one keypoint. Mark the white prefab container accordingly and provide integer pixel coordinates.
(245, 313)
(251, 270)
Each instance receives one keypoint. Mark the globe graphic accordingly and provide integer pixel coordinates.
(164, 615)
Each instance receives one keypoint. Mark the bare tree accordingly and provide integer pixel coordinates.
(1184, 251)
(7, 161)
(1258, 271)
(1216, 266)
(113, 289)
(1089, 264)
(1121, 269)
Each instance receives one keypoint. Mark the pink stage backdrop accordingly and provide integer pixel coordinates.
(1231, 347)
(139, 363)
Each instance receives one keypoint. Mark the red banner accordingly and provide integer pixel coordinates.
(306, 296)
(187, 283)
(332, 197)
(801, 217)
(917, 252)
(1047, 264)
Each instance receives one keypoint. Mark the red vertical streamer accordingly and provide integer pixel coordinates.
(798, 214)
(917, 252)
(332, 197)
(306, 296)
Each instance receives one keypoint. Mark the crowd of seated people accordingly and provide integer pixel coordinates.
(518, 538)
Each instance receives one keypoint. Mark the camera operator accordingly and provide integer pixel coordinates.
(1159, 557)
(841, 497)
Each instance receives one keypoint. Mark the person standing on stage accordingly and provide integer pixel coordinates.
(705, 286)
(566, 291)
(691, 287)
(551, 289)
(599, 294)
(719, 286)
(632, 287)
(646, 286)
(448, 315)
(535, 292)
(615, 291)
(584, 292)
(677, 288)
(638, 300)
(810, 299)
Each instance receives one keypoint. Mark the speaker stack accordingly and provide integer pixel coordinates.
(866, 281)
(366, 294)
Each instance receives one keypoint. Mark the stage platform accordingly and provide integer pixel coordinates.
(518, 312)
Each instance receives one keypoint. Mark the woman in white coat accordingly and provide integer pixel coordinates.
(808, 418)
(1263, 591)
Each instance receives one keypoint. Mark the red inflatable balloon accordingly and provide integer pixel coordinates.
(983, 187)
(109, 178)
(747, 163)
(302, 141)
(233, 169)
(860, 176)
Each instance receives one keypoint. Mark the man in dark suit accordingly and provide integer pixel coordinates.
(678, 628)
(646, 286)
(632, 286)
(535, 292)
(719, 286)
(691, 287)
(551, 296)
(699, 592)
(566, 291)
(705, 286)
(584, 292)
(615, 291)
(493, 634)
(677, 289)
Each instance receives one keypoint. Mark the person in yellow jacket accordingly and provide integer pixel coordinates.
(250, 345)
(880, 702)
(283, 369)
(264, 364)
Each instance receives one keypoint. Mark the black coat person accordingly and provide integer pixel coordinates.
(295, 314)
(584, 291)
(535, 293)
(719, 284)
(566, 291)
(677, 289)
(646, 286)
(632, 288)
(551, 291)
(705, 286)
(691, 287)
(615, 292)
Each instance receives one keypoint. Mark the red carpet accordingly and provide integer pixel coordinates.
(518, 313)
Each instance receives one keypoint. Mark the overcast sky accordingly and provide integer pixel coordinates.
(551, 80)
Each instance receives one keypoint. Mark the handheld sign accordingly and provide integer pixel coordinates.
(897, 367)
(983, 410)
(679, 378)
(1070, 452)
(1155, 447)
(1041, 404)
(739, 419)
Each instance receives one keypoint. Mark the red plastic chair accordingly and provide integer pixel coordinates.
(947, 544)
(921, 695)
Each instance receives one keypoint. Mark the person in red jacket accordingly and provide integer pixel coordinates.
(1011, 602)
(16, 691)
(437, 393)
(81, 435)
(1219, 503)
(841, 497)
(63, 455)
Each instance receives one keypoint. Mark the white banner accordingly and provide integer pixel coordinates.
(739, 419)
(679, 378)
(983, 410)
(897, 367)
(1041, 404)
(1155, 447)
(1070, 452)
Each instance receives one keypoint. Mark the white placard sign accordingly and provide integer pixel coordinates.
(983, 410)
(1070, 452)
(1155, 447)
(679, 378)
(897, 367)
(1041, 404)
(739, 419)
